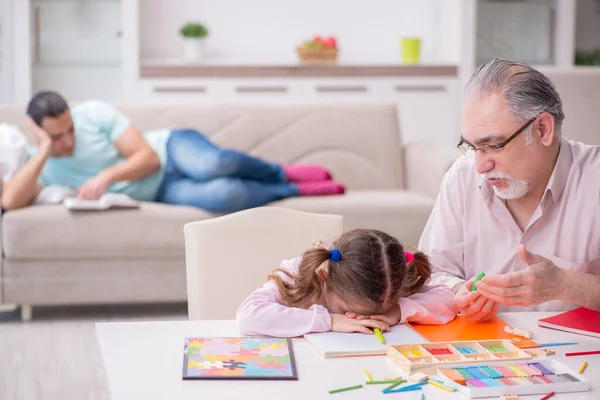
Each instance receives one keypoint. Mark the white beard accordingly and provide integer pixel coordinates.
(515, 188)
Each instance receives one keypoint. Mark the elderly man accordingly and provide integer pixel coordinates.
(523, 204)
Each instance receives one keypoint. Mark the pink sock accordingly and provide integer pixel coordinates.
(306, 173)
(322, 188)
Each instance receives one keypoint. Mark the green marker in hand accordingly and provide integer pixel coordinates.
(477, 279)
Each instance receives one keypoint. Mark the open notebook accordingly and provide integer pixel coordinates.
(57, 194)
(336, 344)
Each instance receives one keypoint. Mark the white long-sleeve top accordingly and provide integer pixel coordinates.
(262, 313)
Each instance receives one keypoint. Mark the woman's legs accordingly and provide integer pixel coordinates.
(223, 194)
(193, 155)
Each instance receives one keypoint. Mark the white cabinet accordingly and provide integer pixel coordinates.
(76, 47)
(428, 109)
(427, 106)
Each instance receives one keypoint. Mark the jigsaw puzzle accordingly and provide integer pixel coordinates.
(238, 358)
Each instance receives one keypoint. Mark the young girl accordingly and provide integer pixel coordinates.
(365, 280)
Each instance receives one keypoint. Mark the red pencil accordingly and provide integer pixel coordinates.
(546, 397)
(582, 353)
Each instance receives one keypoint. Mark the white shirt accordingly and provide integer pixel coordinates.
(470, 229)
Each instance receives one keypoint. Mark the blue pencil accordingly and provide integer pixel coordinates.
(555, 344)
(406, 388)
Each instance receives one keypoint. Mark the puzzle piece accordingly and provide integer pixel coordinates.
(278, 351)
(417, 377)
(279, 359)
(271, 364)
(518, 332)
(232, 364)
(540, 352)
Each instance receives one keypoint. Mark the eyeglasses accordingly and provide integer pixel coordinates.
(492, 148)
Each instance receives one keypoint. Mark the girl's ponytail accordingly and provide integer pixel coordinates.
(417, 273)
(307, 287)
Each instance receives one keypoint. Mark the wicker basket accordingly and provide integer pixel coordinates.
(316, 55)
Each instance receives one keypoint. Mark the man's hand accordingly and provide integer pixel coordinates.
(342, 323)
(39, 135)
(474, 304)
(95, 187)
(540, 282)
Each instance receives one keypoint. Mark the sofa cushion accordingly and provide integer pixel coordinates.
(155, 231)
(400, 213)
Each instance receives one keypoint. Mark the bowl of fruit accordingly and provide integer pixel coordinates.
(318, 50)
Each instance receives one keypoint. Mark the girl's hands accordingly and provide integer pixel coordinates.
(390, 318)
(342, 323)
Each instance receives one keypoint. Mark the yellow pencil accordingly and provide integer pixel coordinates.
(379, 335)
(449, 389)
(368, 375)
(416, 352)
(583, 367)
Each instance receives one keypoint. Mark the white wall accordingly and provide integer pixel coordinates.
(588, 25)
(80, 83)
(6, 87)
(21, 51)
(266, 30)
(78, 32)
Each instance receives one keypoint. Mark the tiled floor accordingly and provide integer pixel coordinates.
(56, 355)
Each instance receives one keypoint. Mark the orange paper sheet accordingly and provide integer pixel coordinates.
(463, 328)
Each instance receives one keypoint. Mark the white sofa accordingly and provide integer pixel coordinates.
(51, 256)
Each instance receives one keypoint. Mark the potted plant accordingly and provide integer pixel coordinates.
(193, 34)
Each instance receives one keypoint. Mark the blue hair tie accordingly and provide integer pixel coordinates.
(334, 255)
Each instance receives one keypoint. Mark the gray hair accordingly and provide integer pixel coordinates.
(527, 91)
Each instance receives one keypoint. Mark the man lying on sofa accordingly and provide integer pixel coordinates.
(93, 148)
(523, 205)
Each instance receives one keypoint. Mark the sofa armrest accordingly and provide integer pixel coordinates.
(425, 164)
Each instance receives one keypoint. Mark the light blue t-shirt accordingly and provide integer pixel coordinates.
(97, 126)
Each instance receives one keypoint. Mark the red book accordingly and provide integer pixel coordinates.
(580, 320)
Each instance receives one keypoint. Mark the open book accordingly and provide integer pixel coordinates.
(56, 194)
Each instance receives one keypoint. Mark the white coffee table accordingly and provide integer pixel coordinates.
(143, 360)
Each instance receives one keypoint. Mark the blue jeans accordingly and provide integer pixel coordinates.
(219, 180)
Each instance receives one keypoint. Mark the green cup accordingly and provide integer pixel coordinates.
(410, 48)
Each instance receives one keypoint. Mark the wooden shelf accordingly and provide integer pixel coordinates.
(181, 70)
